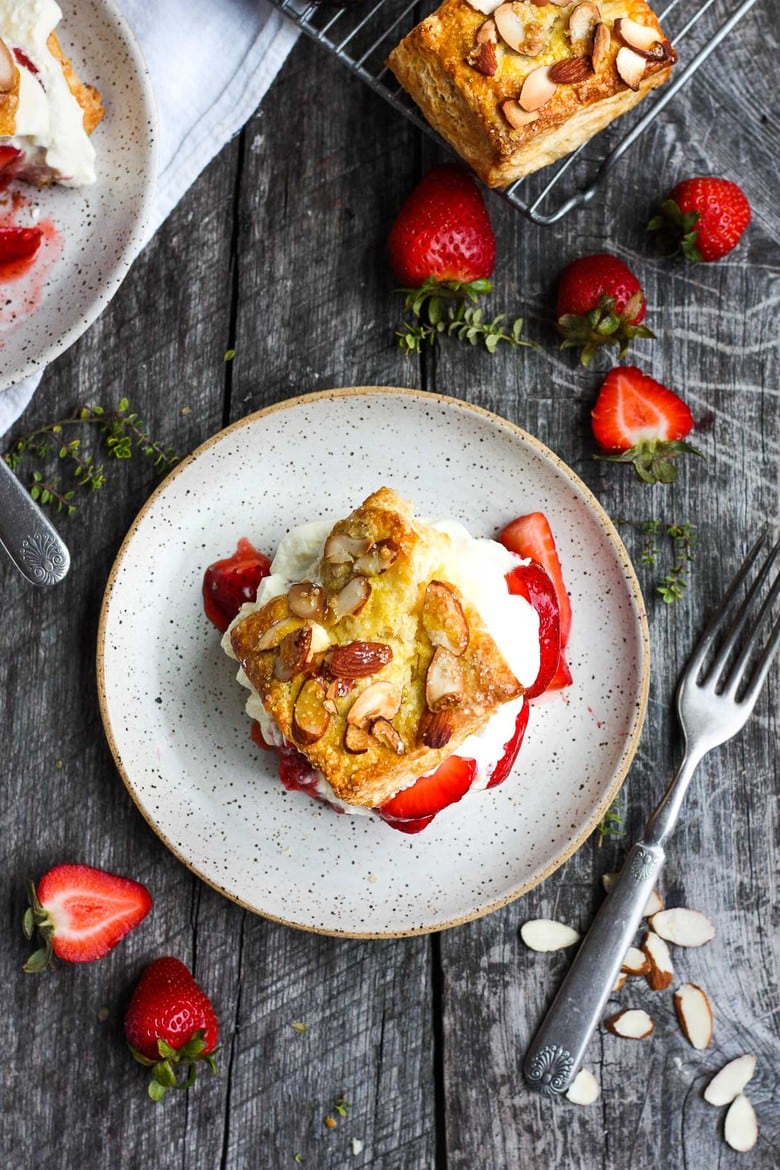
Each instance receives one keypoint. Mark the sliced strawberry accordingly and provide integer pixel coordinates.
(227, 584)
(506, 763)
(531, 536)
(637, 420)
(562, 677)
(413, 808)
(81, 913)
(295, 771)
(19, 245)
(8, 155)
(534, 584)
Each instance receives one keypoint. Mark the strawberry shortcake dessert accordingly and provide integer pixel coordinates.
(390, 661)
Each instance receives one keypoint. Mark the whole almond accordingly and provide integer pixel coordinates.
(571, 70)
(435, 728)
(358, 659)
(484, 59)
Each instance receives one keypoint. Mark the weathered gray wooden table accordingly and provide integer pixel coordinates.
(277, 252)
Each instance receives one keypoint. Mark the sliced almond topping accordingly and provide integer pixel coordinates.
(740, 1129)
(293, 654)
(383, 730)
(277, 632)
(358, 659)
(377, 559)
(618, 984)
(350, 599)
(380, 700)
(484, 59)
(307, 600)
(310, 715)
(443, 618)
(435, 728)
(537, 89)
(640, 37)
(660, 973)
(516, 116)
(7, 69)
(730, 1081)
(683, 927)
(694, 1013)
(444, 680)
(356, 739)
(487, 33)
(485, 6)
(582, 23)
(635, 962)
(584, 1089)
(654, 902)
(632, 1024)
(511, 26)
(601, 43)
(631, 67)
(342, 549)
(544, 934)
(570, 71)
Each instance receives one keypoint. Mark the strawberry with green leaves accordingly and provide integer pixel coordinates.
(171, 1026)
(442, 250)
(703, 218)
(81, 913)
(637, 420)
(600, 302)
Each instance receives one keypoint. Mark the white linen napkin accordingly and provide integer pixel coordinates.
(227, 54)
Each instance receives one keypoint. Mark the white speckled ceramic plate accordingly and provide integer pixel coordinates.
(99, 228)
(174, 713)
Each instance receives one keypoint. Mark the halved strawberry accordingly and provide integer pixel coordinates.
(506, 763)
(415, 807)
(534, 584)
(531, 536)
(81, 913)
(8, 155)
(227, 584)
(637, 420)
(19, 244)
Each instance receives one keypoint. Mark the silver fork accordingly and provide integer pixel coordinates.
(716, 694)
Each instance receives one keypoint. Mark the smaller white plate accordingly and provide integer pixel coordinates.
(174, 714)
(100, 227)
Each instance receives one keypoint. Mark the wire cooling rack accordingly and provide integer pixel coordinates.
(361, 34)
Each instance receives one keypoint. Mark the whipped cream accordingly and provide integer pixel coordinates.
(477, 567)
(49, 120)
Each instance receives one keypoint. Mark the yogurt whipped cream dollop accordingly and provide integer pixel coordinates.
(49, 129)
(477, 567)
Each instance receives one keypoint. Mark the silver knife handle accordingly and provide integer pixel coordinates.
(31, 541)
(559, 1046)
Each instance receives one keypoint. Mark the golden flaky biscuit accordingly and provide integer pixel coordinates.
(86, 95)
(380, 695)
(461, 72)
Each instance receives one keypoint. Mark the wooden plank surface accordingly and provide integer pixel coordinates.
(278, 252)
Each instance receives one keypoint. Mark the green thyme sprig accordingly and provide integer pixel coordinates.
(612, 824)
(682, 540)
(121, 431)
(449, 308)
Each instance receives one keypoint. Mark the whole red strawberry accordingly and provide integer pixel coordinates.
(703, 218)
(442, 231)
(81, 913)
(600, 302)
(170, 1024)
(637, 420)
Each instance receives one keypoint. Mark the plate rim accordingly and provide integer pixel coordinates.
(124, 261)
(635, 596)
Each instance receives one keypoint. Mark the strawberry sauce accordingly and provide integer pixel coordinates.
(29, 249)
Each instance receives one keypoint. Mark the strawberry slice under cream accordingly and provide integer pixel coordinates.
(478, 568)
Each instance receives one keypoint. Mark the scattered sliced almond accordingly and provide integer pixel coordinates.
(516, 116)
(487, 33)
(683, 927)
(443, 618)
(631, 1024)
(660, 973)
(377, 559)
(631, 67)
(277, 632)
(730, 1081)
(620, 981)
(545, 934)
(293, 653)
(640, 37)
(635, 962)
(602, 40)
(487, 7)
(582, 23)
(350, 599)
(654, 902)
(517, 29)
(571, 70)
(310, 714)
(435, 728)
(356, 739)
(383, 731)
(7, 69)
(380, 700)
(342, 549)
(584, 1089)
(359, 659)
(444, 680)
(695, 1014)
(537, 89)
(307, 600)
(740, 1129)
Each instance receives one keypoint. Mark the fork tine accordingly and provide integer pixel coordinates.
(708, 637)
(762, 666)
(720, 662)
(736, 675)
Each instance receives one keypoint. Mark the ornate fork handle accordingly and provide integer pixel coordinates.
(32, 543)
(559, 1046)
